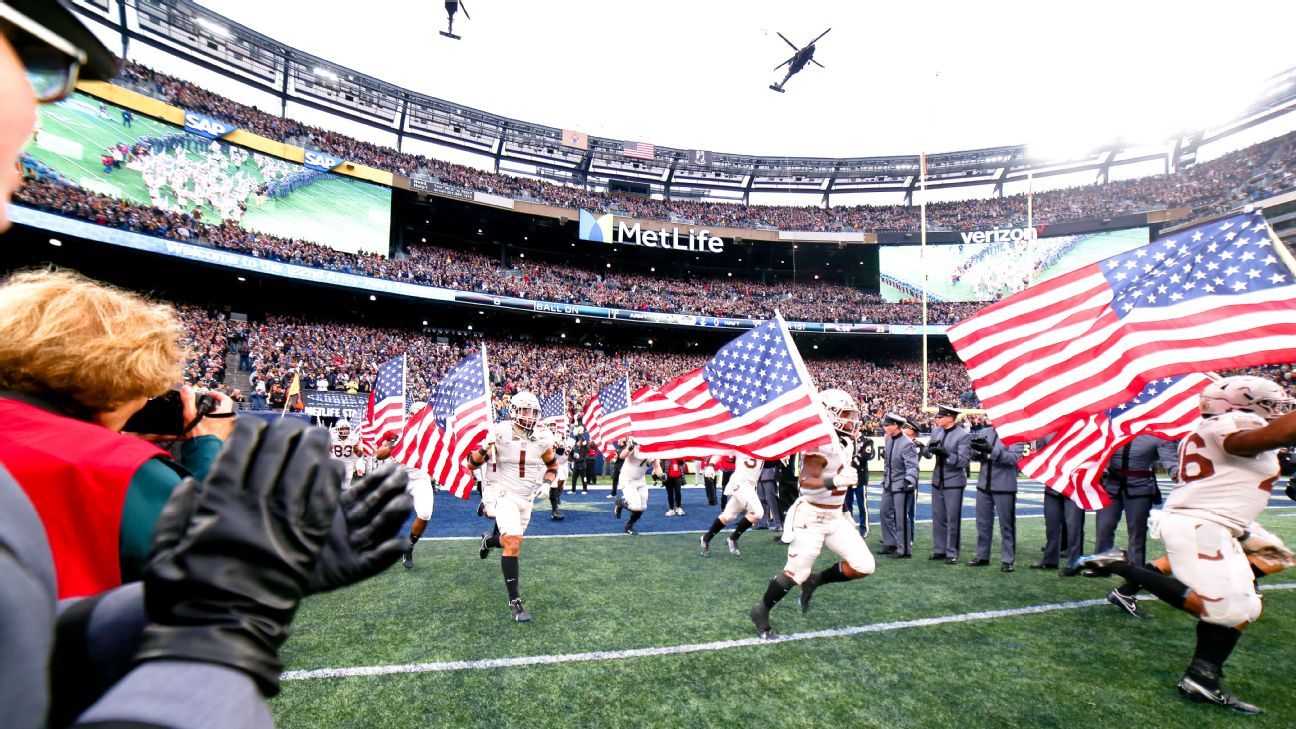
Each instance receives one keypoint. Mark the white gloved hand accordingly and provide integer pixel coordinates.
(708, 472)
(846, 477)
(1257, 538)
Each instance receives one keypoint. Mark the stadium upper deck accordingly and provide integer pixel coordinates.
(528, 159)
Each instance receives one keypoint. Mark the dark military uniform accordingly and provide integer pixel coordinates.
(1130, 481)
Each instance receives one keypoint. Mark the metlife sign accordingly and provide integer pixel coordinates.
(606, 229)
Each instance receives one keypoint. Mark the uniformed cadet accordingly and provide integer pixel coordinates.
(950, 445)
(1130, 481)
(899, 481)
(996, 493)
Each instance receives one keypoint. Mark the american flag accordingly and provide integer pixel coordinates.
(440, 436)
(607, 415)
(1215, 296)
(639, 150)
(1072, 463)
(754, 396)
(386, 413)
(553, 414)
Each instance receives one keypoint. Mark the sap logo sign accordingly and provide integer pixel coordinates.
(206, 126)
(321, 161)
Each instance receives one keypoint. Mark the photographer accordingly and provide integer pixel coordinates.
(77, 360)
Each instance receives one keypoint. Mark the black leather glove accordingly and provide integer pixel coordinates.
(232, 558)
(937, 450)
(363, 539)
(981, 444)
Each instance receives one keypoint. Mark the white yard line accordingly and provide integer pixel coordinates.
(617, 655)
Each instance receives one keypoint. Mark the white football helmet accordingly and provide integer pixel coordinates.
(525, 408)
(343, 428)
(842, 411)
(1245, 393)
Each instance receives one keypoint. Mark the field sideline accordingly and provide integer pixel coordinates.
(634, 631)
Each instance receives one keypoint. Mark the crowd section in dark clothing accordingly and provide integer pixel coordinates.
(341, 356)
(466, 271)
(1217, 185)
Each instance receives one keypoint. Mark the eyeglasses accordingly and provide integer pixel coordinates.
(53, 63)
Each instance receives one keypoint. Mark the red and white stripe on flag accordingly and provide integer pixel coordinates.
(607, 414)
(1215, 296)
(386, 412)
(754, 397)
(439, 437)
(1072, 463)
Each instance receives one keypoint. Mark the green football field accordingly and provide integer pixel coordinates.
(340, 212)
(642, 631)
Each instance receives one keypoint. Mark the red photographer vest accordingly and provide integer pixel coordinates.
(76, 475)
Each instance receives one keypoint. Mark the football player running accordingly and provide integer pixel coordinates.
(634, 484)
(420, 487)
(345, 448)
(1227, 469)
(816, 520)
(523, 455)
(741, 491)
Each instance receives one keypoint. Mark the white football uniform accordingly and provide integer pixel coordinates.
(816, 520)
(1218, 496)
(347, 451)
(420, 486)
(490, 487)
(741, 490)
(519, 475)
(634, 480)
(564, 468)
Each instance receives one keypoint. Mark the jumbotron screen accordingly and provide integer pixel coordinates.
(172, 169)
(991, 271)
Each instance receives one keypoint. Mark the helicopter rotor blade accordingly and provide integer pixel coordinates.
(795, 47)
(816, 40)
(464, 8)
(781, 65)
(820, 65)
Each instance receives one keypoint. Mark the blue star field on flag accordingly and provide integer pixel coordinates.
(1230, 256)
(752, 370)
(615, 397)
(464, 383)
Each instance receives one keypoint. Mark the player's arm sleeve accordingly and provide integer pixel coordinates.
(147, 493)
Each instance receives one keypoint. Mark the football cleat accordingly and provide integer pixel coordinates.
(704, 549)
(556, 516)
(760, 618)
(631, 530)
(485, 547)
(1127, 603)
(807, 591)
(519, 611)
(407, 559)
(733, 546)
(620, 504)
(1102, 562)
(1192, 688)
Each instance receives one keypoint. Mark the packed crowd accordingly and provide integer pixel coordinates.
(345, 357)
(1219, 184)
(467, 271)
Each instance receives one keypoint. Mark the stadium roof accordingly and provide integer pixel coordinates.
(975, 75)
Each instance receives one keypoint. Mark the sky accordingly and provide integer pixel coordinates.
(900, 77)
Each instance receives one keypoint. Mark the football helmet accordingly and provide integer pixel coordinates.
(1245, 393)
(842, 411)
(525, 408)
(343, 427)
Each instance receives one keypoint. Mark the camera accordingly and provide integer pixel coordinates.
(165, 415)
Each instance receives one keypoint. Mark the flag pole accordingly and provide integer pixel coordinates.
(922, 258)
(800, 366)
(294, 385)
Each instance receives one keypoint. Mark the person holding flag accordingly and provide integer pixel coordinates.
(553, 417)
(523, 452)
(294, 390)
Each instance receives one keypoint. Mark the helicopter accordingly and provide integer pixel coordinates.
(798, 60)
(453, 6)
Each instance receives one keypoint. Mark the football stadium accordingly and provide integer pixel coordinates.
(396, 366)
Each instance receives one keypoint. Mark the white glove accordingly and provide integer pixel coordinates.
(846, 477)
(708, 472)
(1257, 538)
(360, 467)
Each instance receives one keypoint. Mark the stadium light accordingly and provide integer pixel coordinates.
(609, 265)
(523, 255)
(425, 240)
(372, 297)
(56, 242)
(470, 327)
(425, 322)
(562, 335)
(650, 342)
(214, 27)
(578, 320)
(241, 278)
